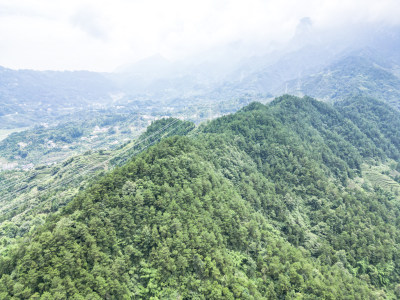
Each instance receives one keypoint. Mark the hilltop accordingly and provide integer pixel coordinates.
(274, 201)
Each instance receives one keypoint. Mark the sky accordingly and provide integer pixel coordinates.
(102, 35)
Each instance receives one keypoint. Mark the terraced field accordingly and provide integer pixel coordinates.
(381, 176)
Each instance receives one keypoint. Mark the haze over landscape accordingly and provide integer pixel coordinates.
(199, 150)
(103, 35)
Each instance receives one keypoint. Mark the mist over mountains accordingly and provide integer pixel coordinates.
(236, 69)
(312, 63)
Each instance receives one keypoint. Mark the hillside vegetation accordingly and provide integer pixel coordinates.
(351, 75)
(272, 202)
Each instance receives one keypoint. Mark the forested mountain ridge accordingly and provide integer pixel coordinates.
(266, 203)
(350, 76)
(379, 121)
(28, 197)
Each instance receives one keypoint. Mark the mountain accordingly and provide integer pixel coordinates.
(325, 65)
(28, 196)
(311, 63)
(140, 76)
(29, 97)
(357, 74)
(275, 201)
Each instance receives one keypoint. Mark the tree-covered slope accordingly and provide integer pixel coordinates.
(380, 122)
(312, 155)
(358, 74)
(166, 225)
(261, 204)
(27, 197)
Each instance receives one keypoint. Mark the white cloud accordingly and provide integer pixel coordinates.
(100, 35)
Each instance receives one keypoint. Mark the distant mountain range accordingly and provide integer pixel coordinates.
(356, 74)
(329, 68)
(28, 97)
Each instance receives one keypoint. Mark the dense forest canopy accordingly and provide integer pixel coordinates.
(273, 202)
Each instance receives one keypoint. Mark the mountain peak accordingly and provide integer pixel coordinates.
(303, 33)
